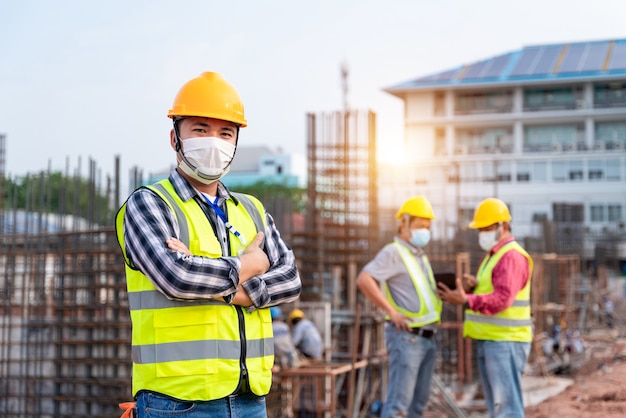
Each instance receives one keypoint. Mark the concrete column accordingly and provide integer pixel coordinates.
(589, 132)
(518, 137)
(449, 103)
(518, 100)
(450, 139)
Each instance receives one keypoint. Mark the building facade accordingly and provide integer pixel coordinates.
(542, 128)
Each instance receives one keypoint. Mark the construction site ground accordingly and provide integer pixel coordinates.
(596, 389)
(592, 387)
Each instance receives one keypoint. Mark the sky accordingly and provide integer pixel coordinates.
(91, 80)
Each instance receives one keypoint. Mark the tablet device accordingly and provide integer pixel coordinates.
(447, 278)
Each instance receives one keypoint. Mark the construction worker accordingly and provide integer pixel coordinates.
(202, 266)
(413, 309)
(305, 335)
(286, 355)
(497, 314)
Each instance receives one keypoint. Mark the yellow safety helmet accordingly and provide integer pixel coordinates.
(209, 96)
(296, 313)
(490, 211)
(416, 206)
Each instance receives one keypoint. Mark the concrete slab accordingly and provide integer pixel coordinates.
(538, 388)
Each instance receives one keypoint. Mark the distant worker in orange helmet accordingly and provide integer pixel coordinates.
(305, 335)
(497, 314)
(413, 309)
(203, 267)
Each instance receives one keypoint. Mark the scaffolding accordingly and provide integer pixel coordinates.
(341, 225)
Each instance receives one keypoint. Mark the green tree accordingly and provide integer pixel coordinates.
(57, 193)
(271, 193)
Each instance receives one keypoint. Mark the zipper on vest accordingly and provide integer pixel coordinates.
(244, 385)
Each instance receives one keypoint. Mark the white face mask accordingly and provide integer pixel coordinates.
(206, 159)
(420, 237)
(487, 239)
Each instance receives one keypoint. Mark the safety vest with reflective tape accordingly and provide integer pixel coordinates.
(430, 304)
(198, 350)
(512, 324)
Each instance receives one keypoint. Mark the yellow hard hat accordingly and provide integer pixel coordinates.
(490, 211)
(209, 96)
(416, 206)
(296, 313)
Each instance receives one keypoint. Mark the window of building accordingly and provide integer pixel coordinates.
(553, 137)
(613, 169)
(596, 170)
(440, 104)
(597, 213)
(615, 213)
(470, 172)
(440, 142)
(503, 171)
(483, 102)
(568, 212)
(564, 170)
(559, 171)
(610, 135)
(536, 171)
(609, 95)
(485, 141)
(575, 169)
(551, 99)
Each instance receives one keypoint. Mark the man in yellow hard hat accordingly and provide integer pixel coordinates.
(305, 335)
(409, 299)
(497, 314)
(203, 266)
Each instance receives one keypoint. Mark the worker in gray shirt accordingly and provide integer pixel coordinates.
(305, 335)
(412, 306)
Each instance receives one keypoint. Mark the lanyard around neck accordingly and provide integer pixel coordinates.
(220, 213)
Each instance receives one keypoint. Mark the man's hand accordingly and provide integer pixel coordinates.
(453, 297)
(177, 245)
(399, 320)
(241, 297)
(469, 283)
(254, 261)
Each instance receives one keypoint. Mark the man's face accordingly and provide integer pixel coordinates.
(406, 228)
(195, 126)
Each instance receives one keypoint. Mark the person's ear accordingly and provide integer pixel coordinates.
(173, 140)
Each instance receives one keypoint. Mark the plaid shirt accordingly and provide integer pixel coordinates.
(149, 222)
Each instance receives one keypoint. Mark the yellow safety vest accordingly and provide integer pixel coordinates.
(512, 324)
(198, 350)
(430, 304)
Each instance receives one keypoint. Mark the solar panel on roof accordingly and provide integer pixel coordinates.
(525, 62)
(474, 70)
(498, 65)
(446, 75)
(546, 62)
(596, 56)
(618, 58)
(573, 59)
(428, 78)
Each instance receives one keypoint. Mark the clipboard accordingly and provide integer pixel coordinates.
(447, 278)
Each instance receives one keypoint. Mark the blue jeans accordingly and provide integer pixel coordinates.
(411, 367)
(500, 365)
(153, 405)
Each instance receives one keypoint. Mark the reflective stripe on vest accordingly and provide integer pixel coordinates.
(192, 350)
(430, 305)
(512, 324)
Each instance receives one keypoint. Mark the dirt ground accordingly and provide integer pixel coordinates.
(599, 384)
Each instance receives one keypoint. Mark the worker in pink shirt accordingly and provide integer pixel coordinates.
(497, 314)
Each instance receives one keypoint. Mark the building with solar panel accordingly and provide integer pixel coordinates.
(542, 128)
